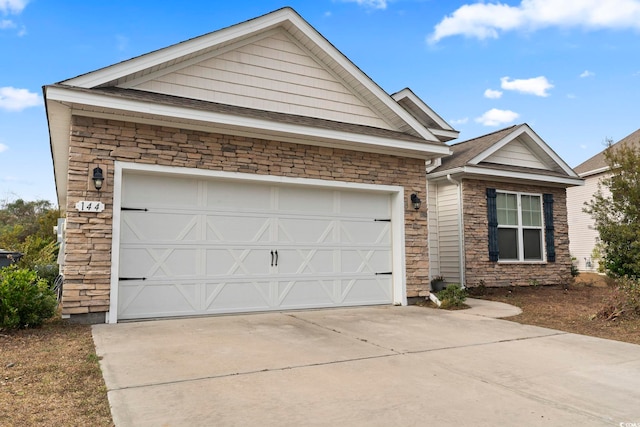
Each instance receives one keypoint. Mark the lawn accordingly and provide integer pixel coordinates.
(51, 375)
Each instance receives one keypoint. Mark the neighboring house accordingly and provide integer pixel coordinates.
(256, 168)
(582, 232)
(497, 211)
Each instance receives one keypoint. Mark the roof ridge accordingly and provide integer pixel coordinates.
(487, 134)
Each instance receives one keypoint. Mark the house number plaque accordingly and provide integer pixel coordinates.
(88, 206)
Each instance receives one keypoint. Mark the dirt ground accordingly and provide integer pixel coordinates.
(572, 309)
(50, 376)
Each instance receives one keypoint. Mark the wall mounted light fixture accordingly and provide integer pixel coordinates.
(98, 178)
(415, 201)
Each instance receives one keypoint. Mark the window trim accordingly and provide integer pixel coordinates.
(520, 227)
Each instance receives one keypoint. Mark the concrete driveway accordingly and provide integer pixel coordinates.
(367, 366)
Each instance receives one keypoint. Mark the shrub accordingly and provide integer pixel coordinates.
(625, 302)
(25, 300)
(453, 296)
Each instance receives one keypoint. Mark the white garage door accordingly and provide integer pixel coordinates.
(191, 246)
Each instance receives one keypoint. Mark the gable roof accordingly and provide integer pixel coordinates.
(598, 163)
(425, 115)
(127, 91)
(487, 157)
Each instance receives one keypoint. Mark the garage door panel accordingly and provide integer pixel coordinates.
(306, 293)
(157, 299)
(238, 228)
(306, 261)
(232, 296)
(358, 291)
(306, 230)
(366, 260)
(356, 203)
(232, 195)
(227, 262)
(297, 200)
(152, 190)
(366, 232)
(148, 226)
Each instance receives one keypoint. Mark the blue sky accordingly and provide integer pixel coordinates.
(571, 69)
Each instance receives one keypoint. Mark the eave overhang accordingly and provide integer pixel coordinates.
(471, 172)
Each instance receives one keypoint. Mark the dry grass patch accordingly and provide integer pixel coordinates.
(50, 376)
(571, 309)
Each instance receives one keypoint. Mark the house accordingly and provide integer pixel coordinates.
(582, 233)
(253, 168)
(257, 168)
(497, 211)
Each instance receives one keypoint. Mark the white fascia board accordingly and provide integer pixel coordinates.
(451, 134)
(420, 150)
(408, 93)
(594, 172)
(155, 58)
(497, 173)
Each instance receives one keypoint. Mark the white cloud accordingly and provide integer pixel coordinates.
(12, 6)
(492, 94)
(571, 96)
(3, 147)
(13, 99)
(5, 24)
(488, 20)
(587, 73)
(459, 121)
(495, 117)
(535, 86)
(122, 42)
(374, 4)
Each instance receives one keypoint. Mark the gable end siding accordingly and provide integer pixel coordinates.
(271, 74)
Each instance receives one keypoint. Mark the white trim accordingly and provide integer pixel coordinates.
(420, 150)
(397, 217)
(486, 173)
(594, 172)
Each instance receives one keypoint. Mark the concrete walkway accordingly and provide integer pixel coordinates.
(367, 366)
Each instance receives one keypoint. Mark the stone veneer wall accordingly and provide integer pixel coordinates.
(479, 270)
(100, 142)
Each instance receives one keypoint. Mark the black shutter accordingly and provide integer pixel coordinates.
(492, 216)
(548, 227)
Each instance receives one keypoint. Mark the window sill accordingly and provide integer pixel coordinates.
(541, 262)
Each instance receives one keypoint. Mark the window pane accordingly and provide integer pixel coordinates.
(507, 209)
(531, 212)
(508, 243)
(532, 244)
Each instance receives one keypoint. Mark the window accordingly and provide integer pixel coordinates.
(519, 226)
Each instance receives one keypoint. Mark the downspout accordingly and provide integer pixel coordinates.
(461, 230)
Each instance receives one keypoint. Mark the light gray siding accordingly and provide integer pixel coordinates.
(273, 73)
(582, 234)
(516, 153)
(449, 232)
